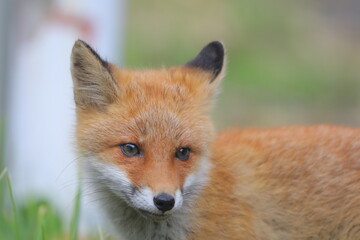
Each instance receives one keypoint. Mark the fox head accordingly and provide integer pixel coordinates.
(144, 135)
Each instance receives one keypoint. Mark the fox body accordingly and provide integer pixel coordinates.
(149, 149)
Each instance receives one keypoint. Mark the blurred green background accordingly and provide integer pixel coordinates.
(289, 62)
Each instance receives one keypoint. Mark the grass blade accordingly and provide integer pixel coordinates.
(40, 234)
(75, 216)
(2, 174)
(16, 222)
(101, 235)
(43, 233)
(2, 187)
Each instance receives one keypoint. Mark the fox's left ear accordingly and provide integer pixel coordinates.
(210, 59)
(94, 86)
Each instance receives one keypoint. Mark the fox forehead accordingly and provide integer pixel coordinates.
(153, 106)
(147, 126)
(177, 88)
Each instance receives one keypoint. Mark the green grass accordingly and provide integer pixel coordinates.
(35, 219)
(15, 224)
(75, 216)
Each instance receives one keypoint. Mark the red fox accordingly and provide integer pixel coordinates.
(148, 145)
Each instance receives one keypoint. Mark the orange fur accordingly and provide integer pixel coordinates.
(293, 183)
(283, 183)
(143, 102)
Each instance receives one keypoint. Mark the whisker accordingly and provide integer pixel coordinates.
(66, 167)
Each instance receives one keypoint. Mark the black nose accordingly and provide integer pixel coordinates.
(164, 202)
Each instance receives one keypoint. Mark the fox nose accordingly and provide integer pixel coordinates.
(164, 202)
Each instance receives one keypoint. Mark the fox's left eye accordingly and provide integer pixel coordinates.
(130, 149)
(183, 154)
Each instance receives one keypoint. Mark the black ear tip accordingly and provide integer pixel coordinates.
(210, 58)
(214, 51)
(80, 46)
(217, 47)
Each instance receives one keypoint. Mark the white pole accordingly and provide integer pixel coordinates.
(39, 146)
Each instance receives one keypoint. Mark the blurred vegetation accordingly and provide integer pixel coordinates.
(289, 62)
(34, 219)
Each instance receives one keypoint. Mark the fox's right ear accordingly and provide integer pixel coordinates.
(210, 59)
(94, 87)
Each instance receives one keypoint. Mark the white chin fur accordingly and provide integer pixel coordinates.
(196, 180)
(117, 193)
(141, 199)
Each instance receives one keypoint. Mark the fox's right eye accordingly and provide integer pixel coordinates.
(130, 149)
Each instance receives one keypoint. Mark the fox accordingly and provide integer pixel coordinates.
(150, 151)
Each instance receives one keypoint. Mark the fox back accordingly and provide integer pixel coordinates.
(148, 147)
